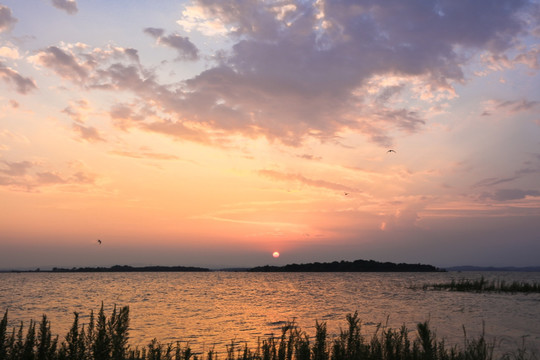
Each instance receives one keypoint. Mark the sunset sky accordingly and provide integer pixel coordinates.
(215, 132)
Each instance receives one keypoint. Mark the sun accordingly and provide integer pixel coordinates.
(275, 254)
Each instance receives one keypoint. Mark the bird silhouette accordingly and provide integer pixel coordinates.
(99, 242)
(391, 150)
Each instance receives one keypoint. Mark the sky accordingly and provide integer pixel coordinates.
(216, 132)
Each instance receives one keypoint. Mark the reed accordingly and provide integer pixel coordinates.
(483, 285)
(106, 338)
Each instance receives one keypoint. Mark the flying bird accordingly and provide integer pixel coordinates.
(391, 150)
(99, 242)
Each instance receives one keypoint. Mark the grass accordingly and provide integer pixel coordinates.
(483, 285)
(107, 338)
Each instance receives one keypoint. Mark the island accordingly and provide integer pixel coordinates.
(127, 268)
(349, 266)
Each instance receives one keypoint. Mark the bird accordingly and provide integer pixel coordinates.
(99, 242)
(391, 150)
(346, 193)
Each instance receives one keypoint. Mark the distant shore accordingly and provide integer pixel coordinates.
(336, 266)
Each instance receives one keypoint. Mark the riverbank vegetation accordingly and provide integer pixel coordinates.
(483, 285)
(105, 338)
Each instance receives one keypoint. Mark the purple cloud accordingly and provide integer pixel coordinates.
(63, 63)
(23, 85)
(6, 19)
(185, 48)
(307, 70)
(510, 194)
(69, 6)
(518, 105)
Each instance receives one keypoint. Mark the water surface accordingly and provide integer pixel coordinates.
(207, 309)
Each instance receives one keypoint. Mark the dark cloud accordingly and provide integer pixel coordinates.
(510, 194)
(133, 54)
(494, 181)
(6, 18)
(306, 69)
(23, 85)
(274, 67)
(154, 32)
(489, 182)
(69, 6)
(185, 48)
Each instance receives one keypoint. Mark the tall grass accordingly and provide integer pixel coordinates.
(107, 338)
(483, 285)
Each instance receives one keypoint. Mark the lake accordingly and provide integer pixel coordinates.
(207, 309)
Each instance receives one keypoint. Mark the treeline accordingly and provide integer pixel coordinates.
(348, 266)
(107, 339)
(127, 268)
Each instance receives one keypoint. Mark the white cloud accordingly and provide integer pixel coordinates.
(196, 18)
(9, 52)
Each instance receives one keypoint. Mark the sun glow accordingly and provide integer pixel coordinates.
(275, 254)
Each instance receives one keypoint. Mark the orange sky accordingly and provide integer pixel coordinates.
(179, 137)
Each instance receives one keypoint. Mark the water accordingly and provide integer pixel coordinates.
(207, 309)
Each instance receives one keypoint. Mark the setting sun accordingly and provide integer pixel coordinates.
(275, 254)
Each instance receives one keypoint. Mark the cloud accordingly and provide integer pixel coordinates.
(499, 62)
(48, 178)
(16, 168)
(306, 69)
(88, 133)
(76, 110)
(123, 116)
(69, 6)
(32, 176)
(6, 19)
(9, 52)
(518, 105)
(154, 32)
(185, 48)
(63, 62)
(198, 18)
(494, 181)
(23, 85)
(83, 66)
(303, 180)
(15, 137)
(495, 107)
(402, 219)
(145, 155)
(510, 194)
